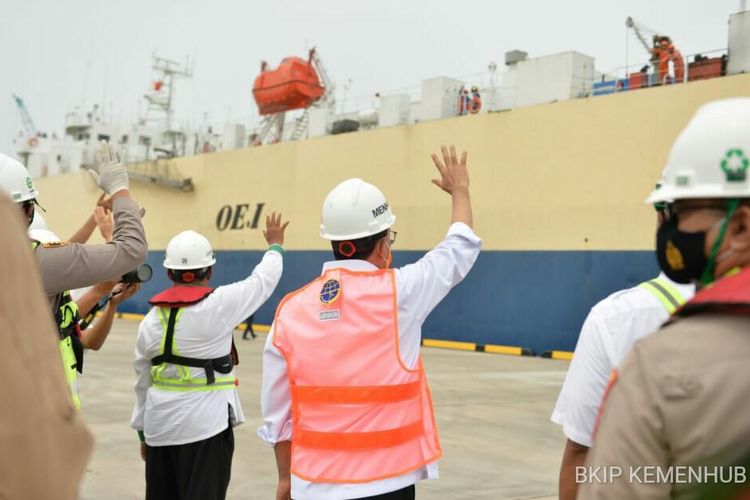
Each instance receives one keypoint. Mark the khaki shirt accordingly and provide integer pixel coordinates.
(44, 444)
(682, 399)
(73, 265)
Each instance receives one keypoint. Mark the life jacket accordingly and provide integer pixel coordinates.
(358, 413)
(730, 295)
(665, 292)
(65, 312)
(171, 303)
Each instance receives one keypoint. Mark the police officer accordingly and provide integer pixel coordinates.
(611, 328)
(65, 266)
(344, 398)
(68, 266)
(187, 401)
(679, 402)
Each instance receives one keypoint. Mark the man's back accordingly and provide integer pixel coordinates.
(681, 400)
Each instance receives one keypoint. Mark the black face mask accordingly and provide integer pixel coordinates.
(681, 255)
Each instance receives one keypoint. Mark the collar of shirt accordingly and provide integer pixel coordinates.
(350, 264)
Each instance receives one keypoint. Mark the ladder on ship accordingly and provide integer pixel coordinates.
(300, 128)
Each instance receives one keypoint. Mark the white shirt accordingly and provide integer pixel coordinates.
(420, 287)
(607, 336)
(204, 331)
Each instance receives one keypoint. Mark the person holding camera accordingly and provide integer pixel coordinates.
(186, 397)
(66, 266)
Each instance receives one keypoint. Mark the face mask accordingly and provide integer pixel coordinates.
(681, 254)
(388, 259)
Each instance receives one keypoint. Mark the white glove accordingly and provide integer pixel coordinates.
(112, 176)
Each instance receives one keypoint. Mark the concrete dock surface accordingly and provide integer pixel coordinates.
(492, 412)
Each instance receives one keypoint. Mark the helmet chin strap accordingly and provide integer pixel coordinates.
(708, 275)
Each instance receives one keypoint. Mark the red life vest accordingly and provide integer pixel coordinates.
(358, 413)
(180, 296)
(729, 295)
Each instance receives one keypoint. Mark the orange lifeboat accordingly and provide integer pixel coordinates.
(293, 85)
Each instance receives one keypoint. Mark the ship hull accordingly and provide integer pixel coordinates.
(558, 193)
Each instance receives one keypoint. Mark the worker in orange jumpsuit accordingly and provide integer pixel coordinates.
(679, 64)
(662, 53)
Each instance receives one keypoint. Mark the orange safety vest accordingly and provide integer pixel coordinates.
(358, 413)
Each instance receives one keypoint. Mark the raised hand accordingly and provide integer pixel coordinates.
(454, 175)
(105, 221)
(274, 233)
(112, 176)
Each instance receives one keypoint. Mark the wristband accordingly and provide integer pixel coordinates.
(141, 436)
(277, 248)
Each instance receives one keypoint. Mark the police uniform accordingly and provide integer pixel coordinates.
(65, 266)
(607, 336)
(680, 400)
(45, 444)
(415, 290)
(186, 413)
(72, 265)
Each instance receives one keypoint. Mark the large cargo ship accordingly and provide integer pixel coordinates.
(558, 192)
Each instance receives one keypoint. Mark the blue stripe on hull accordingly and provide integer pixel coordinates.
(534, 299)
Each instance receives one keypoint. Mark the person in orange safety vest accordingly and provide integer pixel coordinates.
(345, 400)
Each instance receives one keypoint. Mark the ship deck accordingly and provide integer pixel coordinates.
(492, 410)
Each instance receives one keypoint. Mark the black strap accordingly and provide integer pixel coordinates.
(223, 364)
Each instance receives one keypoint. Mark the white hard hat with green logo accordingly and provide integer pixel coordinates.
(16, 180)
(711, 157)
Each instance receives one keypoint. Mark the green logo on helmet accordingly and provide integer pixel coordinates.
(735, 164)
(29, 184)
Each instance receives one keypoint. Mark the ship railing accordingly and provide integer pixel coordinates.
(698, 66)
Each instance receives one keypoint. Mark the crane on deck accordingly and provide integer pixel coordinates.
(27, 122)
(661, 50)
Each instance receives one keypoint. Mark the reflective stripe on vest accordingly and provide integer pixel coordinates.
(666, 292)
(66, 316)
(184, 380)
(358, 413)
(70, 368)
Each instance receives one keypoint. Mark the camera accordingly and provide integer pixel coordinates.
(141, 274)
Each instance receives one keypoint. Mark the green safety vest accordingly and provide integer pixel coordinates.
(666, 292)
(66, 318)
(184, 381)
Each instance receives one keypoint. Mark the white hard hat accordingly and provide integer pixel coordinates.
(355, 209)
(16, 180)
(189, 250)
(38, 222)
(43, 235)
(711, 156)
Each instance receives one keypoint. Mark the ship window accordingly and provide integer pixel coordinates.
(124, 139)
(145, 140)
(102, 137)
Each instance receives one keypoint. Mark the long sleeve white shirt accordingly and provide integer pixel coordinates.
(420, 287)
(609, 333)
(203, 331)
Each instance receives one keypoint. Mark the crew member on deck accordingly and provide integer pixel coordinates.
(344, 399)
(186, 397)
